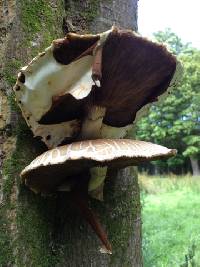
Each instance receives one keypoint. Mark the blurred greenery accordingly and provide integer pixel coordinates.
(171, 236)
(175, 122)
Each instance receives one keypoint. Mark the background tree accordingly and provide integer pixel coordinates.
(171, 40)
(175, 122)
(191, 113)
(38, 231)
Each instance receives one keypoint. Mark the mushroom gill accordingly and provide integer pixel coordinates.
(61, 90)
(53, 167)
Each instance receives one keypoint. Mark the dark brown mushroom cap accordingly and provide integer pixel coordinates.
(51, 168)
(58, 90)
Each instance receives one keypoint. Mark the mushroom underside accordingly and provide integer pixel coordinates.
(46, 179)
(70, 162)
(57, 86)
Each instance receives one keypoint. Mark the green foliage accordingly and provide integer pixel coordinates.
(175, 122)
(171, 222)
(39, 22)
(10, 69)
(171, 40)
(190, 257)
(35, 14)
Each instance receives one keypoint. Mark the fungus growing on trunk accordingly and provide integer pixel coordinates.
(66, 164)
(91, 87)
(52, 168)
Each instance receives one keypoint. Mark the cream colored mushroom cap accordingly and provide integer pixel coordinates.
(51, 168)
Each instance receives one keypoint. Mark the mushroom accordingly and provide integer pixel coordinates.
(50, 169)
(66, 164)
(51, 89)
(87, 86)
(92, 87)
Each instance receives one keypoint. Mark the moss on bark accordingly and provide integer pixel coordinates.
(47, 231)
(24, 235)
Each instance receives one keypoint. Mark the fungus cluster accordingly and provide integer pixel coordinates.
(86, 92)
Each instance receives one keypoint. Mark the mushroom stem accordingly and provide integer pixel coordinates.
(96, 67)
(89, 215)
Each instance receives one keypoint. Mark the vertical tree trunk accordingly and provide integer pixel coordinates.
(195, 166)
(38, 231)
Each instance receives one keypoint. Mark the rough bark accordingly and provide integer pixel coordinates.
(47, 231)
(195, 166)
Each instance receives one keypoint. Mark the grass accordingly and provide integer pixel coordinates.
(171, 221)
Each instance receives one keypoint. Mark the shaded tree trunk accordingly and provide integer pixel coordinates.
(195, 166)
(47, 231)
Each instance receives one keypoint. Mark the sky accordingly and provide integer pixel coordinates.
(182, 16)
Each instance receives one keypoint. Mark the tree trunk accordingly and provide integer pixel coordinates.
(47, 231)
(195, 166)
